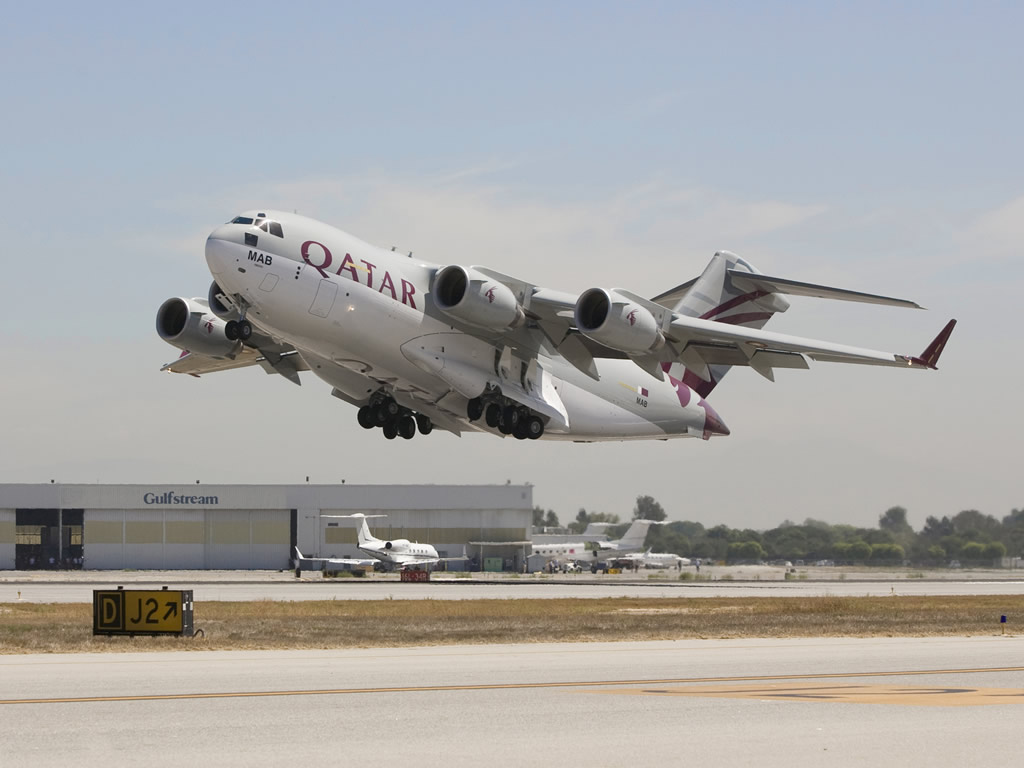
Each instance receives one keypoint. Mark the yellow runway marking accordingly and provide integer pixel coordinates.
(647, 686)
(849, 694)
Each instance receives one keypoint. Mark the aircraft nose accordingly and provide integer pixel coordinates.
(713, 424)
(217, 249)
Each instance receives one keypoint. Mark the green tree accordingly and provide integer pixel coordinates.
(973, 551)
(648, 509)
(995, 550)
(887, 553)
(894, 520)
(747, 551)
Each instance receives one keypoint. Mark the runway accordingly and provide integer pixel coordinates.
(77, 587)
(767, 703)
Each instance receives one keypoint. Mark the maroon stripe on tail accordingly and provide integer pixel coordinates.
(735, 302)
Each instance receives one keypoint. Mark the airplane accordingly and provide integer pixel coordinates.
(650, 559)
(598, 551)
(415, 345)
(396, 553)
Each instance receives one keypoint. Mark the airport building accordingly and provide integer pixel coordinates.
(110, 527)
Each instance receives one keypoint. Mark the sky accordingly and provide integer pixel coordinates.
(871, 146)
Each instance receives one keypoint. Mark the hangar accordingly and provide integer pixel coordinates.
(109, 527)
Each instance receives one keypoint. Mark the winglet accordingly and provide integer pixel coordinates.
(930, 357)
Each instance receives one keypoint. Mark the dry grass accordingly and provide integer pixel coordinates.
(67, 628)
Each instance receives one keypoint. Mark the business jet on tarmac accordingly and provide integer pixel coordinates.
(397, 553)
(598, 551)
(415, 345)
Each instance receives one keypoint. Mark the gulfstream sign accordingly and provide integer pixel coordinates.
(175, 498)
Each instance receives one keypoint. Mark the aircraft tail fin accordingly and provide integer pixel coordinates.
(635, 535)
(720, 295)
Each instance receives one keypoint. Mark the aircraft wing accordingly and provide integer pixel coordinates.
(262, 351)
(712, 343)
(699, 343)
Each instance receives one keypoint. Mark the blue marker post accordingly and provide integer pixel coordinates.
(1002, 622)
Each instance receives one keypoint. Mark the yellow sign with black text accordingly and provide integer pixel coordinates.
(142, 612)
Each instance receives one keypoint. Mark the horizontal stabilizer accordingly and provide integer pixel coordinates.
(748, 280)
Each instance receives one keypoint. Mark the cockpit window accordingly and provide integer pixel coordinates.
(270, 226)
(267, 225)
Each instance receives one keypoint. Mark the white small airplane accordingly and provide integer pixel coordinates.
(650, 559)
(598, 551)
(414, 345)
(397, 553)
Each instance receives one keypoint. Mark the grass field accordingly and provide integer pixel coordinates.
(67, 628)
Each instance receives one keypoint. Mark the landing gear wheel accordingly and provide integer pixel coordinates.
(511, 416)
(534, 427)
(505, 428)
(231, 330)
(365, 417)
(475, 409)
(244, 330)
(493, 415)
(380, 415)
(391, 407)
(391, 430)
(424, 424)
(519, 431)
(407, 427)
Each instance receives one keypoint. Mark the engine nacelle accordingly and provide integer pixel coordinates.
(474, 298)
(616, 321)
(189, 324)
(218, 307)
(397, 544)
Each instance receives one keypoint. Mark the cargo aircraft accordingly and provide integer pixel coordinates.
(414, 345)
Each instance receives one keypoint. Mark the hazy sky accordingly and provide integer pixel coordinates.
(874, 146)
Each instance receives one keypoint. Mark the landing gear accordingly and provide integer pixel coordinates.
(493, 415)
(507, 416)
(393, 419)
(475, 409)
(238, 330)
(365, 417)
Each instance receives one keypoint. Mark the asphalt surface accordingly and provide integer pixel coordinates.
(77, 586)
(765, 703)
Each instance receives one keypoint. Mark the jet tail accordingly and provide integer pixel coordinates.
(720, 295)
(635, 535)
(733, 291)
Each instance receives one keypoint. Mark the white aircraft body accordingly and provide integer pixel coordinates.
(599, 551)
(464, 348)
(650, 559)
(397, 553)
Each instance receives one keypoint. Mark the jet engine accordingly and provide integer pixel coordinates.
(616, 321)
(397, 544)
(189, 324)
(474, 298)
(218, 307)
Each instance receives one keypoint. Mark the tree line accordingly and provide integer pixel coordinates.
(970, 537)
